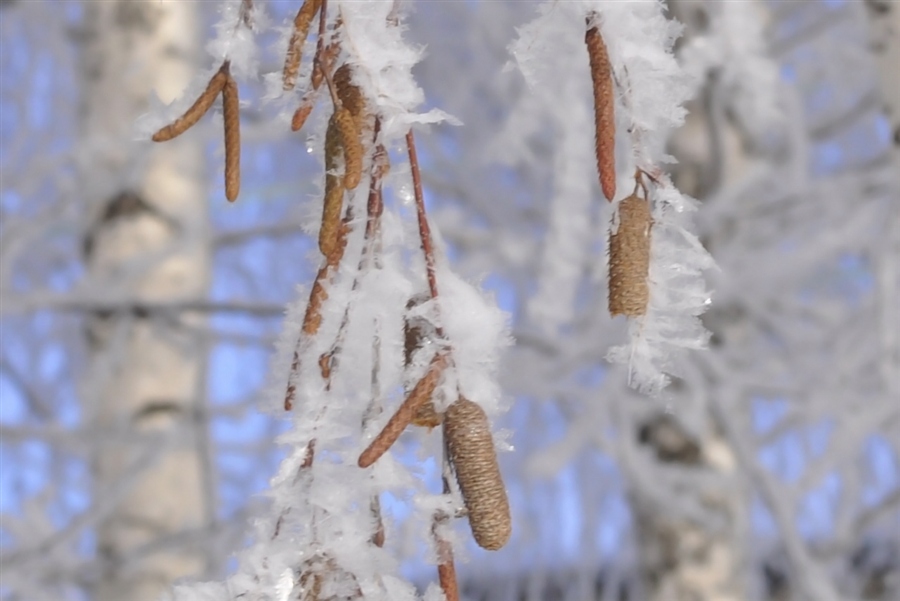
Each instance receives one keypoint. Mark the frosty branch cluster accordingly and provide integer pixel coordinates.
(655, 263)
(394, 319)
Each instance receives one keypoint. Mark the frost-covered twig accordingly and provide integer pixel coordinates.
(631, 44)
(314, 543)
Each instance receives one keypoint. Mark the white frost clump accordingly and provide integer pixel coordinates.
(651, 89)
(385, 61)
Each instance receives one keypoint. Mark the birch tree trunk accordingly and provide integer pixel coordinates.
(147, 242)
(682, 560)
(885, 23)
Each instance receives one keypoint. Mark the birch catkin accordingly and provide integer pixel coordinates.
(232, 118)
(629, 259)
(200, 107)
(416, 331)
(334, 192)
(604, 110)
(350, 95)
(470, 448)
(353, 149)
(404, 414)
(295, 46)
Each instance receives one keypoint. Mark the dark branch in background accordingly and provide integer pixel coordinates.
(139, 308)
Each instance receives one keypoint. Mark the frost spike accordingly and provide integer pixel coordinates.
(629, 259)
(196, 111)
(232, 117)
(471, 451)
(604, 109)
(422, 391)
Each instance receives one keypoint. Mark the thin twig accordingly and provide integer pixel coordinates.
(424, 229)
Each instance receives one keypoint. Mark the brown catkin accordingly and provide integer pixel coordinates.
(404, 414)
(295, 46)
(629, 259)
(353, 149)
(312, 318)
(604, 110)
(329, 53)
(350, 95)
(332, 206)
(416, 331)
(470, 447)
(231, 115)
(196, 110)
(301, 115)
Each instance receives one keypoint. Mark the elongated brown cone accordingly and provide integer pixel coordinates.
(353, 148)
(604, 111)
(404, 414)
(196, 111)
(334, 191)
(231, 114)
(295, 46)
(350, 95)
(629, 259)
(312, 318)
(416, 331)
(301, 114)
(329, 53)
(471, 451)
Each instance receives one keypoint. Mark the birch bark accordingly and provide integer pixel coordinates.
(146, 240)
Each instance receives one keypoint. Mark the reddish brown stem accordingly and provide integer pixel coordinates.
(446, 568)
(424, 228)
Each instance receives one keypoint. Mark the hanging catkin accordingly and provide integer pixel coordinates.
(604, 110)
(350, 95)
(232, 118)
(353, 149)
(404, 414)
(200, 107)
(629, 259)
(334, 192)
(295, 46)
(417, 331)
(471, 451)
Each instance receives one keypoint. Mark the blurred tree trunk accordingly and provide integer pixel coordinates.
(885, 23)
(682, 560)
(147, 241)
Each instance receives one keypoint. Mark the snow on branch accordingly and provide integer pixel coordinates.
(387, 337)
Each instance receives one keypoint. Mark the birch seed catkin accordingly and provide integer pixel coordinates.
(353, 149)
(629, 259)
(470, 448)
(604, 110)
